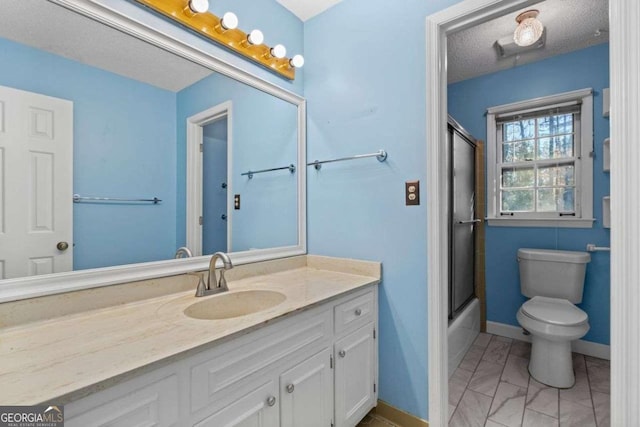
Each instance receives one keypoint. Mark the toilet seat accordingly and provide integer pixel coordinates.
(554, 311)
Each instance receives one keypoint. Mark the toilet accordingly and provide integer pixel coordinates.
(554, 281)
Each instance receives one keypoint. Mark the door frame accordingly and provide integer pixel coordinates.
(624, 44)
(195, 138)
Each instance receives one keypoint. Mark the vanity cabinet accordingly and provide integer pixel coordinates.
(355, 383)
(317, 367)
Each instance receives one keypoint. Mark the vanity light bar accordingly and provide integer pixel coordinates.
(223, 31)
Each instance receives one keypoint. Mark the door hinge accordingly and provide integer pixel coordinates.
(200, 220)
(202, 148)
(331, 361)
(374, 333)
(374, 387)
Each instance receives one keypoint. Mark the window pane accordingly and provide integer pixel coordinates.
(517, 200)
(518, 151)
(556, 200)
(523, 177)
(556, 147)
(522, 129)
(552, 176)
(554, 125)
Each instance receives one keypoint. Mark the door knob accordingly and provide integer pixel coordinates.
(342, 353)
(271, 401)
(223, 217)
(358, 311)
(62, 246)
(290, 388)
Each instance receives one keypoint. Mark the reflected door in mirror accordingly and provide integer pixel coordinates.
(36, 163)
(214, 187)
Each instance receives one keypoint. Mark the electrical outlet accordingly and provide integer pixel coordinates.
(236, 202)
(412, 193)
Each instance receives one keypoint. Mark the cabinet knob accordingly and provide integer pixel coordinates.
(342, 353)
(62, 246)
(358, 311)
(271, 401)
(290, 388)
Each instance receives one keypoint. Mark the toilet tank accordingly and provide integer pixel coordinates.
(551, 273)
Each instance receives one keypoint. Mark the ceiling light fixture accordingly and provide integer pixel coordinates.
(529, 29)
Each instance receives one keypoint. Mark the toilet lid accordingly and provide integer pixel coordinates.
(554, 310)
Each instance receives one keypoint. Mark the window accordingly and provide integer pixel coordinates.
(539, 162)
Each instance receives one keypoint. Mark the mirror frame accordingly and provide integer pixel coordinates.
(34, 286)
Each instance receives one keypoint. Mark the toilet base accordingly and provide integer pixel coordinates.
(551, 362)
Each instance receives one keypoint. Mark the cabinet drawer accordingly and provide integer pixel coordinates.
(128, 404)
(354, 313)
(225, 372)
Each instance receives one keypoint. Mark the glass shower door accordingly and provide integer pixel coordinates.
(463, 221)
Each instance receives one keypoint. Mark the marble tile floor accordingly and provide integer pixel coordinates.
(492, 388)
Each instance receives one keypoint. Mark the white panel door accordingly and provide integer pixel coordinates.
(257, 408)
(306, 393)
(354, 376)
(36, 172)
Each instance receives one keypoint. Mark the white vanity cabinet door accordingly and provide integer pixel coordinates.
(355, 374)
(306, 393)
(258, 408)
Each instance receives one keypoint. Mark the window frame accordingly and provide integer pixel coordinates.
(583, 153)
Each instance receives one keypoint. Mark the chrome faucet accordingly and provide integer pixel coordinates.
(215, 286)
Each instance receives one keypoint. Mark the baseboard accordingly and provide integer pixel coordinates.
(587, 348)
(398, 416)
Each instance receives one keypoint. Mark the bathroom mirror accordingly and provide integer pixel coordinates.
(135, 144)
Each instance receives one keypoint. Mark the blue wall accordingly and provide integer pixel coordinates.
(365, 85)
(214, 196)
(468, 102)
(264, 133)
(124, 146)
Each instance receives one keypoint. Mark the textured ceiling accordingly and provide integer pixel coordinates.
(46, 26)
(570, 25)
(307, 9)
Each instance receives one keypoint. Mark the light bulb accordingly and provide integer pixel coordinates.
(279, 51)
(229, 21)
(255, 37)
(529, 29)
(199, 6)
(297, 61)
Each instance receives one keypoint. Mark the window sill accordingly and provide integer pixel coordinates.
(547, 222)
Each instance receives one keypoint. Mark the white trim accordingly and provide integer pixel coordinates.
(624, 45)
(536, 103)
(29, 287)
(195, 186)
(588, 348)
(542, 222)
(584, 165)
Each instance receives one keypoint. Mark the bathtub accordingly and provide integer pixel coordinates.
(463, 331)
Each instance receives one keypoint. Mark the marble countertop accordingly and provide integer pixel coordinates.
(62, 359)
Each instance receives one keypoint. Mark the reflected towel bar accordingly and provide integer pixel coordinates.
(593, 248)
(78, 199)
(380, 155)
(250, 174)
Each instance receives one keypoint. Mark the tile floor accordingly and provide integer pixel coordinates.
(492, 388)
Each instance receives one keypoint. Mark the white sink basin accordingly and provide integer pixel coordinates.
(234, 304)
